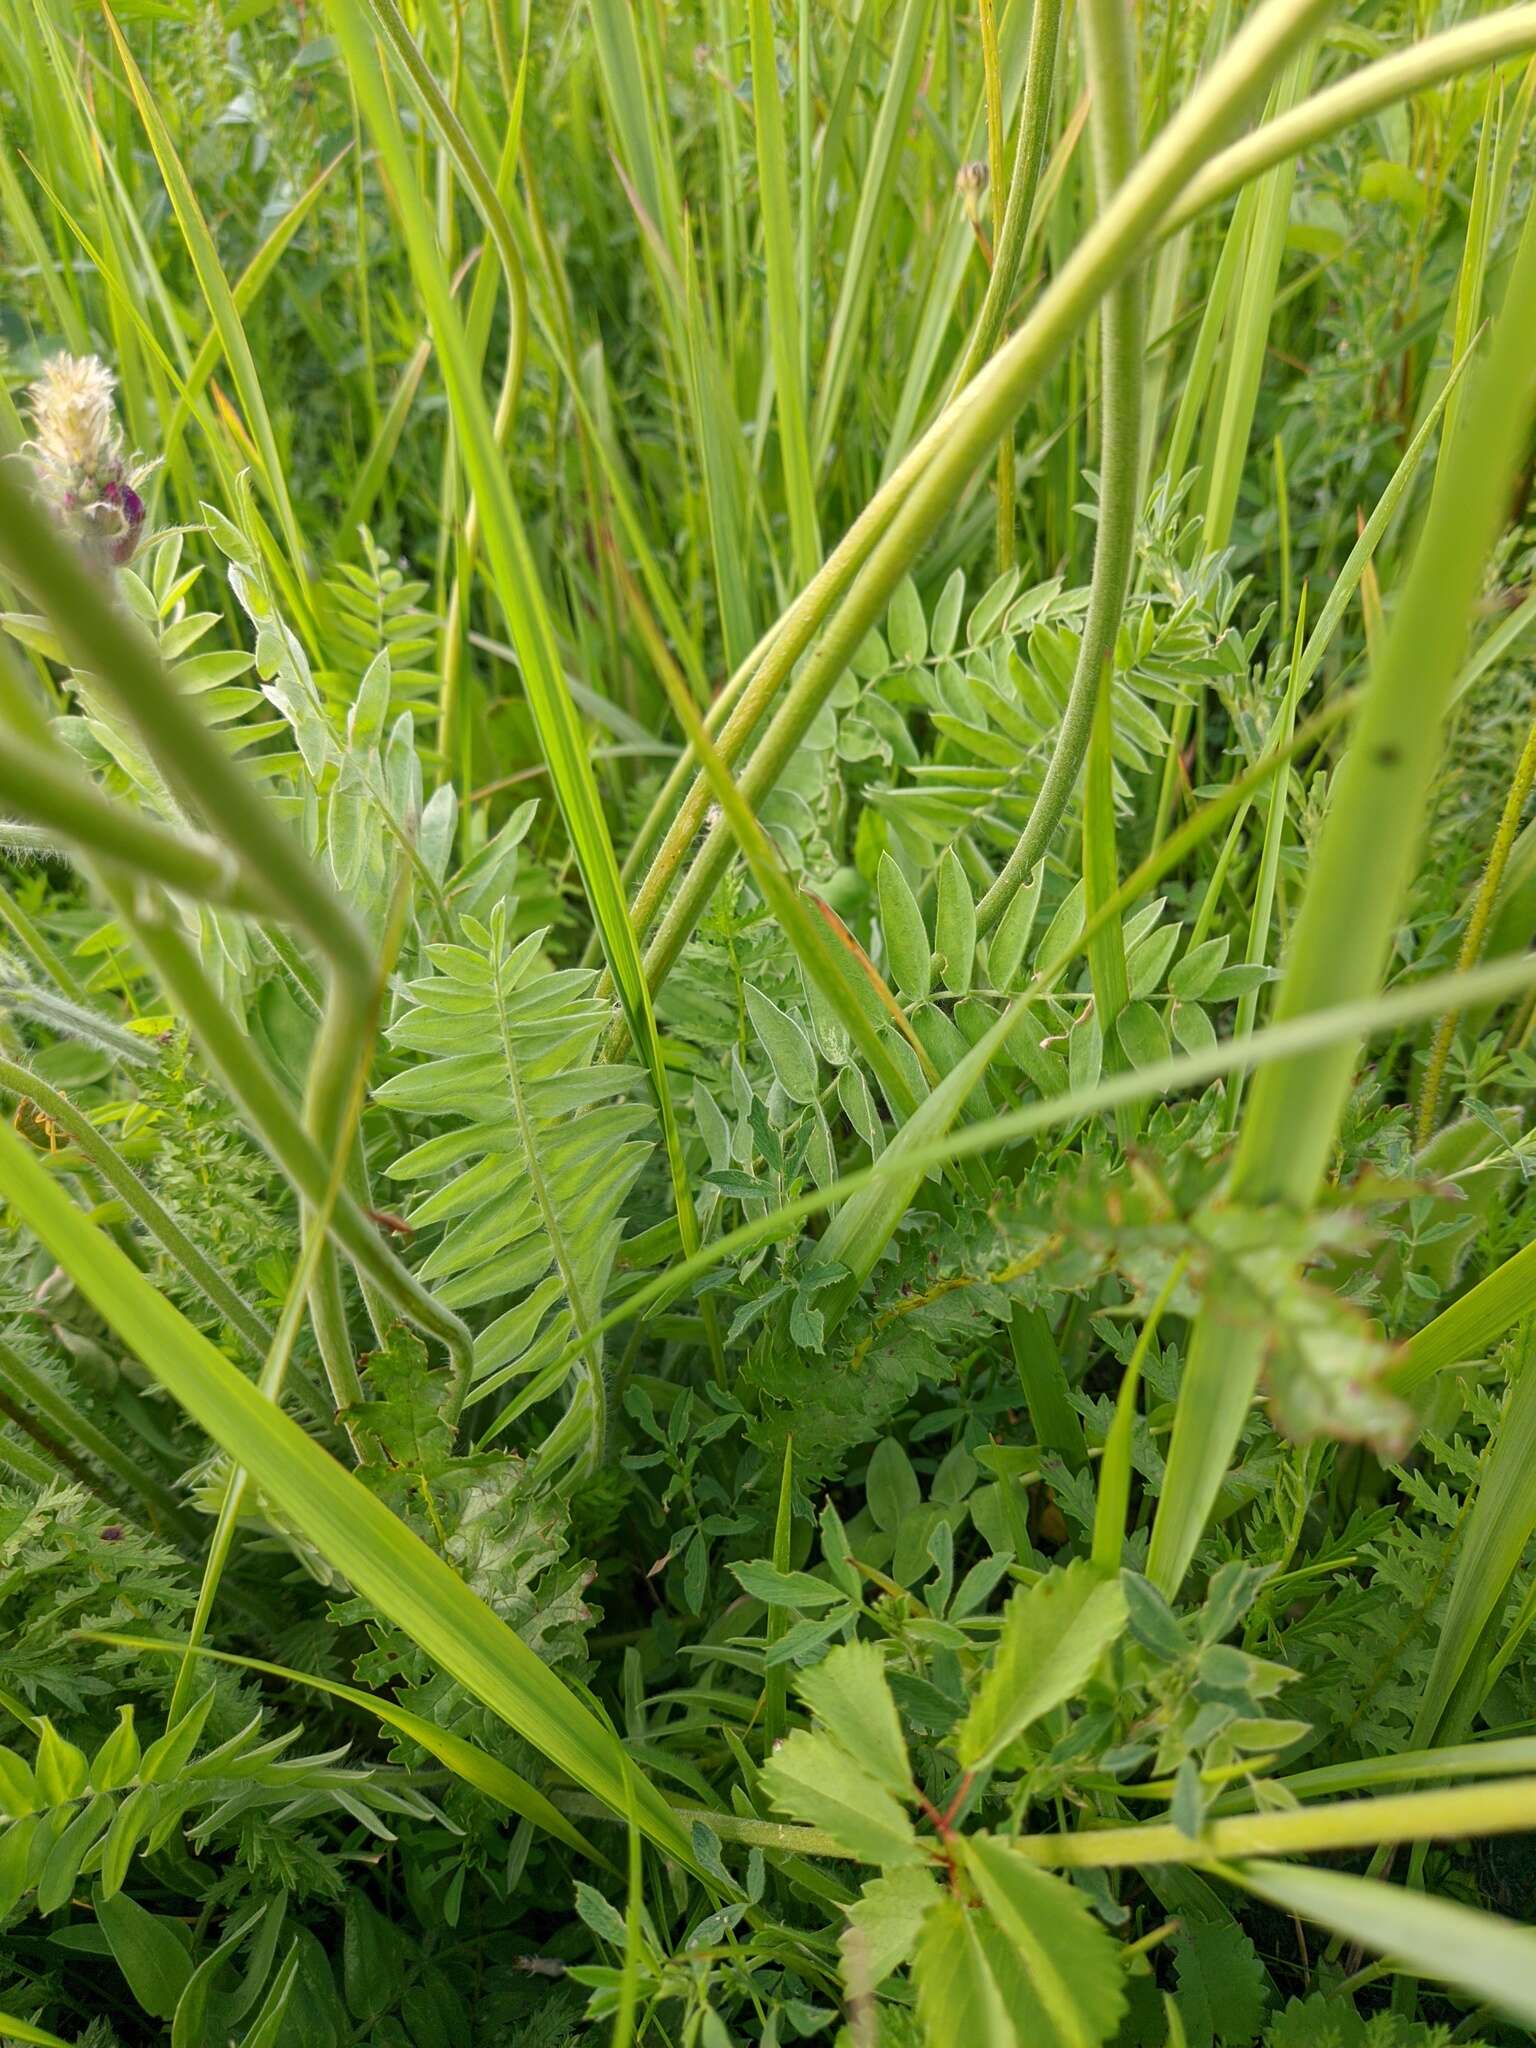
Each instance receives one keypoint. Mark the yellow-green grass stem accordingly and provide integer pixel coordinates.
(1360, 870)
(754, 687)
(907, 511)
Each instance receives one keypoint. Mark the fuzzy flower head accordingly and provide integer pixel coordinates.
(77, 451)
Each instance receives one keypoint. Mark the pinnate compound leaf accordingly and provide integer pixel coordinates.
(1054, 1634)
(813, 1779)
(1068, 1958)
(883, 1926)
(848, 1694)
(958, 1998)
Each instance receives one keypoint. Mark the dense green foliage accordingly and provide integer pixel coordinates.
(766, 990)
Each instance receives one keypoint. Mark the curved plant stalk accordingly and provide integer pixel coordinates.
(1112, 131)
(1113, 1492)
(276, 1123)
(1359, 872)
(903, 516)
(275, 1365)
(28, 1465)
(755, 686)
(271, 869)
(1023, 185)
(1471, 948)
(26, 839)
(65, 800)
(822, 959)
(1509, 33)
(139, 1201)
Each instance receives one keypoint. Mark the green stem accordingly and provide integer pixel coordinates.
(1359, 874)
(992, 81)
(743, 702)
(243, 1072)
(280, 1349)
(41, 783)
(273, 871)
(1090, 714)
(1023, 185)
(28, 1465)
(1469, 47)
(906, 511)
(30, 939)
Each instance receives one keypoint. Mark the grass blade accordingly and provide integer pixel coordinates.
(381, 1558)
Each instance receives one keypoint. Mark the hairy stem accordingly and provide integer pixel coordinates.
(1112, 70)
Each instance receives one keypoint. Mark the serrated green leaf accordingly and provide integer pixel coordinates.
(958, 1999)
(1054, 1634)
(1068, 1958)
(848, 1693)
(883, 1926)
(813, 1778)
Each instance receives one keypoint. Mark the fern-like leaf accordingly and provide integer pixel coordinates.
(540, 1161)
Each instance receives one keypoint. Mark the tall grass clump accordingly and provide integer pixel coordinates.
(766, 921)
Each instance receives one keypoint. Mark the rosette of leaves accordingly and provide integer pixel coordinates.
(1000, 1952)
